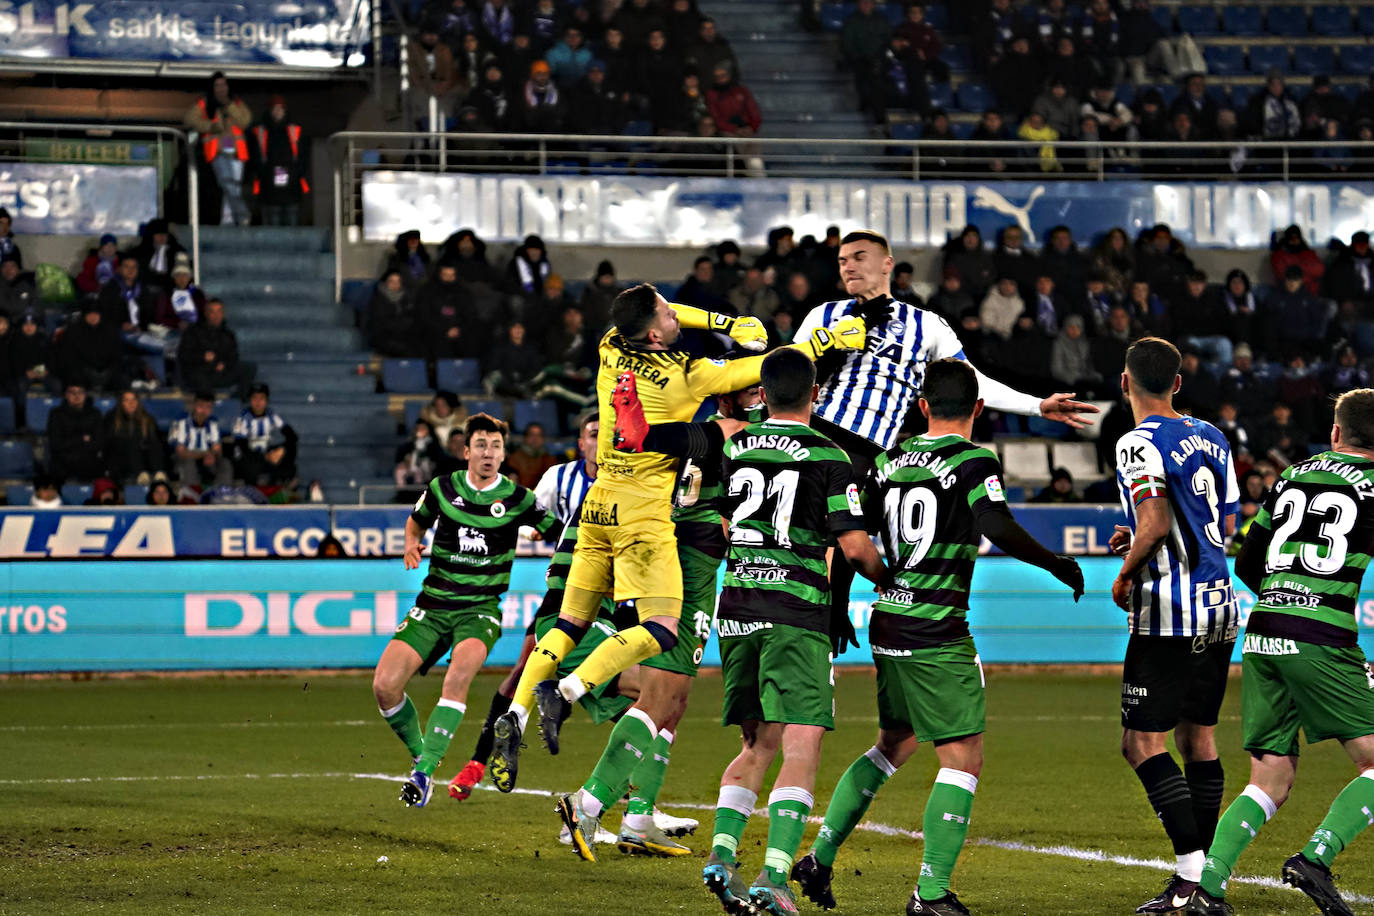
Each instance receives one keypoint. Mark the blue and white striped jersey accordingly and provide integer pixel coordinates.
(193, 438)
(562, 489)
(257, 430)
(871, 393)
(1185, 590)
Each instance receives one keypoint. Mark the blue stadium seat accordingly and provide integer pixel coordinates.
(36, 410)
(894, 13)
(135, 495)
(1312, 60)
(157, 365)
(1242, 20)
(976, 97)
(1164, 17)
(1268, 57)
(404, 376)
(1331, 20)
(356, 294)
(490, 406)
(226, 412)
(958, 57)
(961, 131)
(7, 424)
(371, 157)
(1357, 58)
(18, 494)
(1125, 93)
(1169, 91)
(104, 404)
(76, 494)
(1348, 91)
(1364, 19)
(1240, 95)
(16, 459)
(1224, 60)
(458, 375)
(907, 130)
(1220, 94)
(1289, 21)
(833, 16)
(937, 14)
(638, 129)
(1198, 20)
(942, 96)
(165, 411)
(543, 412)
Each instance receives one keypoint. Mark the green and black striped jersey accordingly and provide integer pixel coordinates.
(474, 542)
(1321, 519)
(788, 491)
(696, 503)
(931, 492)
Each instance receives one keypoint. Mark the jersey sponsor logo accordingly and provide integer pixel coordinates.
(786, 444)
(471, 540)
(895, 653)
(995, 491)
(761, 571)
(1202, 640)
(851, 495)
(1270, 645)
(599, 514)
(498, 509)
(1131, 690)
(741, 627)
(898, 596)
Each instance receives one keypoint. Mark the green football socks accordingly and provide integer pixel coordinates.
(1237, 827)
(945, 826)
(788, 809)
(1349, 815)
(443, 722)
(647, 780)
(405, 722)
(628, 745)
(850, 802)
(733, 807)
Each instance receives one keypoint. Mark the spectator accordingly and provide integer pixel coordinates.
(593, 106)
(134, 449)
(797, 299)
(132, 306)
(1351, 276)
(682, 24)
(1244, 387)
(182, 305)
(548, 310)
(1054, 20)
(620, 64)
(92, 354)
(76, 437)
(1278, 439)
(754, 296)
(1300, 387)
(728, 270)
(1147, 308)
(736, 113)
(1089, 157)
(1199, 320)
(1060, 489)
(924, 41)
(572, 354)
(992, 32)
(1162, 262)
(221, 121)
(468, 56)
(1097, 302)
(1200, 390)
(105, 492)
(1346, 374)
(30, 357)
(902, 289)
(976, 343)
(46, 494)
(1109, 348)
(1328, 106)
(1059, 108)
(1013, 259)
(393, 318)
(1062, 260)
(100, 266)
(635, 20)
(863, 38)
(1035, 130)
(264, 445)
(1289, 249)
(951, 301)
(516, 61)
(468, 255)
(782, 328)
(1048, 306)
(493, 99)
(659, 74)
(696, 289)
(1198, 105)
(433, 80)
(196, 445)
(444, 413)
(1071, 362)
(541, 108)
(541, 24)
(158, 252)
(1142, 44)
(1152, 121)
(410, 258)
(497, 24)
(1228, 421)
(513, 365)
(715, 158)
(1069, 65)
(1239, 302)
(1181, 133)
(529, 267)
(1253, 493)
(160, 494)
(531, 458)
(1295, 318)
(1273, 114)
(710, 49)
(995, 154)
(902, 77)
(1115, 121)
(939, 159)
(598, 296)
(7, 244)
(688, 108)
(17, 291)
(1100, 40)
(454, 459)
(1025, 355)
(445, 321)
(1114, 259)
(1001, 308)
(1016, 78)
(782, 254)
(208, 356)
(418, 461)
(280, 162)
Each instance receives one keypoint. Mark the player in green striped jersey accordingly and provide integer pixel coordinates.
(1304, 559)
(479, 514)
(938, 494)
(790, 496)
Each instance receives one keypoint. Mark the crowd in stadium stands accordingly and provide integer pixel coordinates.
(583, 68)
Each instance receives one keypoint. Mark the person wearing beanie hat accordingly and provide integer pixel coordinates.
(157, 252)
(540, 107)
(1060, 489)
(8, 248)
(597, 298)
(99, 266)
(183, 304)
(1273, 114)
(529, 267)
(279, 158)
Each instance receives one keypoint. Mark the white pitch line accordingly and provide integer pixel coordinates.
(108, 726)
(1059, 851)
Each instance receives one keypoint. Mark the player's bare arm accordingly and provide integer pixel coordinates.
(1152, 527)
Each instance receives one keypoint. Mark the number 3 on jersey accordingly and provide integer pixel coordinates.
(1338, 514)
(755, 489)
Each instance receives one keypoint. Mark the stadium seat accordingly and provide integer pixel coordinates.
(1026, 461)
(1169, 91)
(1046, 429)
(906, 130)
(1224, 60)
(942, 96)
(1242, 20)
(1312, 60)
(412, 413)
(1357, 58)
(958, 57)
(1198, 20)
(894, 13)
(136, 495)
(490, 406)
(18, 494)
(976, 97)
(1264, 58)
(104, 404)
(1365, 19)
(1331, 20)
(7, 424)
(16, 459)
(961, 131)
(404, 376)
(76, 494)
(543, 412)
(1349, 91)
(1220, 94)
(1240, 95)
(638, 129)
(1164, 17)
(157, 365)
(458, 375)
(1078, 458)
(1288, 21)
(226, 412)
(36, 410)
(165, 411)
(937, 14)
(833, 16)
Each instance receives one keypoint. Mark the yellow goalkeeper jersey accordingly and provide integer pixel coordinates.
(671, 387)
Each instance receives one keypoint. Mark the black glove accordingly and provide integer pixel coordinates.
(1071, 574)
(842, 632)
(875, 312)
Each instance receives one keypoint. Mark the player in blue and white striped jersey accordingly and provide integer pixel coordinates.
(866, 397)
(1178, 487)
(195, 442)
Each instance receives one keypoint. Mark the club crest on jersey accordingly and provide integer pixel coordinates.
(851, 494)
(498, 509)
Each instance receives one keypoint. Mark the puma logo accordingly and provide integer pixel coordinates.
(987, 199)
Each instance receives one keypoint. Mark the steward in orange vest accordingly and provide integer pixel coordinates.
(280, 161)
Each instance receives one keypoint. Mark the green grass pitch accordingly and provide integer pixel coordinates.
(250, 795)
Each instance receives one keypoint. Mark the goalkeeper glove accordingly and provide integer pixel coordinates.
(845, 334)
(749, 333)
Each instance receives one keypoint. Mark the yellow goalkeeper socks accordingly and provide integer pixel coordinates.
(614, 655)
(541, 666)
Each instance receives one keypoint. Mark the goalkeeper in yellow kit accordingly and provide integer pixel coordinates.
(625, 541)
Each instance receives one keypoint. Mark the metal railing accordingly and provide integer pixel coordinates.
(14, 136)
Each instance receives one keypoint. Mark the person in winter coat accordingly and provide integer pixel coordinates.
(221, 120)
(1351, 275)
(1059, 108)
(1290, 249)
(92, 354)
(433, 78)
(593, 106)
(157, 253)
(100, 266)
(598, 296)
(134, 449)
(1114, 259)
(952, 300)
(1273, 114)
(569, 58)
(529, 267)
(183, 304)
(1001, 308)
(924, 40)
(710, 49)
(467, 253)
(446, 320)
(418, 459)
(1294, 318)
(392, 318)
(1012, 258)
(1238, 301)
(280, 159)
(1016, 78)
(966, 255)
(409, 258)
(208, 355)
(76, 437)
(8, 247)
(513, 365)
(541, 106)
(493, 98)
(732, 105)
(30, 357)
